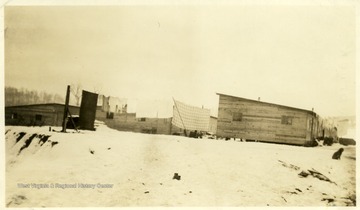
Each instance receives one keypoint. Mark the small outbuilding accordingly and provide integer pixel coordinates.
(261, 121)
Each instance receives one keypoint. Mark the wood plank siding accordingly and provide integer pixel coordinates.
(37, 114)
(255, 120)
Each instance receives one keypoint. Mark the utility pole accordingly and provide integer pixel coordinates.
(66, 109)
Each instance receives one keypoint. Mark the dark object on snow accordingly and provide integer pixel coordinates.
(109, 148)
(21, 134)
(289, 165)
(353, 199)
(146, 192)
(337, 154)
(70, 124)
(303, 174)
(43, 139)
(312, 143)
(328, 141)
(27, 142)
(320, 176)
(176, 176)
(91, 151)
(347, 141)
(315, 174)
(328, 200)
(195, 134)
(54, 143)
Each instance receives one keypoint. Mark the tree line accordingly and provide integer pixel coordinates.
(21, 96)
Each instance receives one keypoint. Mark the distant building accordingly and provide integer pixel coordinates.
(129, 122)
(112, 104)
(261, 121)
(37, 114)
(346, 125)
(213, 124)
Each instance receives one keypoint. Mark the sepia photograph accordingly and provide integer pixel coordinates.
(179, 104)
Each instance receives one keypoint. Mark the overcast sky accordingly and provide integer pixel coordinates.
(300, 56)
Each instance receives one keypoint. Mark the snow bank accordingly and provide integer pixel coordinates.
(111, 168)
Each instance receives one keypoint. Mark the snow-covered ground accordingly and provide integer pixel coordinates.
(109, 168)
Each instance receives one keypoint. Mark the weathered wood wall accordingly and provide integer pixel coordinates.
(51, 114)
(263, 121)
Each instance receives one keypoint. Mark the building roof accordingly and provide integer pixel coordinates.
(46, 104)
(286, 107)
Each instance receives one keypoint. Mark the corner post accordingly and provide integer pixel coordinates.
(66, 108)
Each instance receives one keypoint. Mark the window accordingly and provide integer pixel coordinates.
(110, 115)
(14, 116)
(38, 117)
(286, 120)
(237, 117)
(143, 119)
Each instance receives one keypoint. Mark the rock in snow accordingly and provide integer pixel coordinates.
(176, 176)
(126, 169)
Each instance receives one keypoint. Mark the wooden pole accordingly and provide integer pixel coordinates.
(312, 128)
(66, 108)
(72, 120)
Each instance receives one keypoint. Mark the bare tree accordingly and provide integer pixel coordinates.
(15, 96)
(76, 90)
(58, 98)
(97, 89)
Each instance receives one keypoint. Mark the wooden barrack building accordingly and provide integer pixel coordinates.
(37, 114)
(267, 122)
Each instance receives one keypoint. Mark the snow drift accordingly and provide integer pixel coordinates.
(108, 168)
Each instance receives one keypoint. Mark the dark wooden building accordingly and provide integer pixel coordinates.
(37, 114)
(261, 121)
